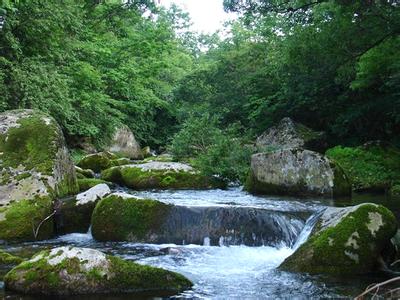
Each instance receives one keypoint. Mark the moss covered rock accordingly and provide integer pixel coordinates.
(35, 167)
(296, 172)
(288, 134)
(71, 271)
(87, 183)
(85, 173)
(124, 144)
(74, 214)
(123, 217)
(97, 161)
(8, 259)
(158, 175)
(373, 167)
(345, 241)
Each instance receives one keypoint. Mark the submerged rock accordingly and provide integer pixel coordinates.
(345, 241)
(74, 214)
(123, 217)
(72, 271)
(158, 175)
(296, 172)
(124, 144)
(288, 134)
(35, 168)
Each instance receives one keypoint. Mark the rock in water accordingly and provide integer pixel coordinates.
(345, 241)
(123, 217)
(296, 172)
(124, 144)
(35, 168)
(101, 161)
(159, 175)
(288, 134)
(73, 271)
(74, 213)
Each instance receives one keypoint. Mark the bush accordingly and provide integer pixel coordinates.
(373, 167)
(211, 150)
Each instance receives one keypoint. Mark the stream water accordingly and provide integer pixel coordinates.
(229, 270)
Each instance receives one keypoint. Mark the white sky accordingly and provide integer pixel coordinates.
(207, 15)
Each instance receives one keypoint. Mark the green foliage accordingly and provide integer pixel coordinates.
(213, 151)
(371, 167)
(93, 67)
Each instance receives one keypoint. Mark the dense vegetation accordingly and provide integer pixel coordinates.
(333, 65)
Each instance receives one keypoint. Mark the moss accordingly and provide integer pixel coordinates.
(77, 155)
(22, 176)
(127, 219)
(8, 259)
(373, 168)
(325, 251)
(96, 162)
(146, 278)
(395, 190)
(137, 178)
(22, 217)
(33, 144)
(87, 183)
(120, 162)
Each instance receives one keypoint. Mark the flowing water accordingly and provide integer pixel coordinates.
(231, 269)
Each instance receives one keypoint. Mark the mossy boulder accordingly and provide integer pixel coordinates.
(86, 173)
(9, 259)
(67, 271)
(296, 172)
(74, 213)
(288, 134)
(158, 175)
(123, 217)
(102, 161)
(87, 183)
(35, 167)
(345, 241)
(373, 167)
(124, 144)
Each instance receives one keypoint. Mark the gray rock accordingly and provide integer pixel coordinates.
(35, 168)
(288, 134)
(296, 172)
(124, 144)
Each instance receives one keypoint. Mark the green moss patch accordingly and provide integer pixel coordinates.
(22, 218)
(137, 178)
(8, 259)
(127, 219)
(87, 183)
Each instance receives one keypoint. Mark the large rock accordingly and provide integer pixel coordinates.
(124, 144)
(35, 168)
(296, 172)
(123, 217)
(288, 134)
(74, 213)
(345, 241)
(158, 175)
(70, 271)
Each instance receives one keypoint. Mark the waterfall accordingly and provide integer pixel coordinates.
(307, 229)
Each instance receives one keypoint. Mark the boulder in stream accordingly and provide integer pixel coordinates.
(74, 213)
(35, 167)
(78, 271)
(159, 175)
(296, 172)
(123, 217)
(345, 241)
